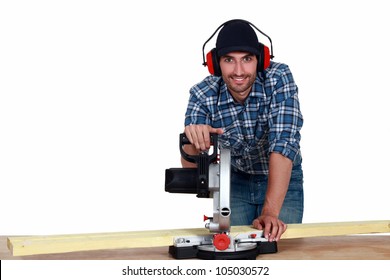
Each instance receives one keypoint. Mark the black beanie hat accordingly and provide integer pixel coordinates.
(237, 35)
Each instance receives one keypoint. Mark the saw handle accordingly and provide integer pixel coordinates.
(202, 161)
(197, 158)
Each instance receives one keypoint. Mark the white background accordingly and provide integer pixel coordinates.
(93, 95)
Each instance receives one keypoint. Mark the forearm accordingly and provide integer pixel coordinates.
(278, 181)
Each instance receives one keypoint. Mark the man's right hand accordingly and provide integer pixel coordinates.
(199, 135)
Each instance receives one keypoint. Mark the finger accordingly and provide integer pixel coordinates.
(192, 135)
(216, 130)
(267, 230)
(204, 136)
(274, 231)
(200, 135)
(282, 230)
(279, 231)
(187, 131)
(206, 139)
(257, 225)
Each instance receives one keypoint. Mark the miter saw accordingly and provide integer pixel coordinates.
(211, 179)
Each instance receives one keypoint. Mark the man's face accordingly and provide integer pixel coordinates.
(239, 70)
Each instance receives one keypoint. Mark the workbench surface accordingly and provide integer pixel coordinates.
(352, 247)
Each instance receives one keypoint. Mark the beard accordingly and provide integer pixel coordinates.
(240, 86)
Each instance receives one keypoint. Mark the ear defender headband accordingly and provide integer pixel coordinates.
(211, 60)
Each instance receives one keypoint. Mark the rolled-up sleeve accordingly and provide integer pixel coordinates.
(285, 118)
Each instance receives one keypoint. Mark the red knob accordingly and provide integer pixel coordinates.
(221, 241)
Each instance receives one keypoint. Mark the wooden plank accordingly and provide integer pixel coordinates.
(33, 245)
(334, 229)
(347, 247)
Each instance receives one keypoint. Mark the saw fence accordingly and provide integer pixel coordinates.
(35, 245)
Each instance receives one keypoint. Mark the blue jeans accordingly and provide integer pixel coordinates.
(248, 193)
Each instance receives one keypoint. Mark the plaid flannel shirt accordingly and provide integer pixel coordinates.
(268, 121)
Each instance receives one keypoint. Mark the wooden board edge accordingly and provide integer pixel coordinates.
(35, 245)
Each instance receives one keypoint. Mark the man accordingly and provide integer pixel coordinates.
(256, 113)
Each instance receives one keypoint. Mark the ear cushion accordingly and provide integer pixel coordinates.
(264, 58)
(212, 61)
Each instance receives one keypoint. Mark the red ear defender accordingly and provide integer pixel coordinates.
(264, 58)
(212, 63)
(267, 58)
(209, 62)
